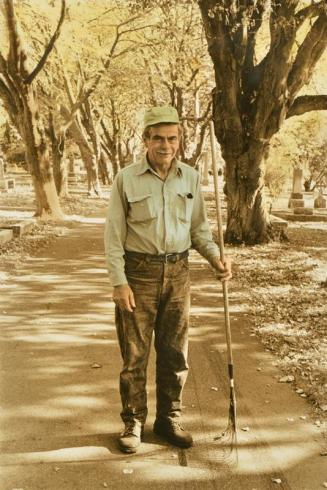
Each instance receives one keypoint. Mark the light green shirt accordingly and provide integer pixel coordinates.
(149, 215)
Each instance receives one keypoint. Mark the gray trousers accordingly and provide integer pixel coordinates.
(162, 297)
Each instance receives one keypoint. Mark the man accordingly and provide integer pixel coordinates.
(156, 213)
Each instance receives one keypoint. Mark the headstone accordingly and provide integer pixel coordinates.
(74, 170)
(71, 165)
(297, 180)
(5, 184)
(296, 200)
(320, 202)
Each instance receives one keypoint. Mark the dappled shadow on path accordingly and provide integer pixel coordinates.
(60, 368)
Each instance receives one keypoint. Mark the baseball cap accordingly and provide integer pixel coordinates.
(161, 114)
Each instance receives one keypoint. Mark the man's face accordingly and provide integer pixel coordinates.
(163, 144)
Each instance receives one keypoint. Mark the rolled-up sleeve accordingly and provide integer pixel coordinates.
(115, 234)
(201, 236)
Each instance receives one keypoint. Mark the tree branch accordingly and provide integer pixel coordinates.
(255, 23)
(308, 55)
(29, 79)
(312, 10)
(3, 65)
(307, 103)
(12, 31)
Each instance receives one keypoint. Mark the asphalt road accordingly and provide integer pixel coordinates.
(60, 365)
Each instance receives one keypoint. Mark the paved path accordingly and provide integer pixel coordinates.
(60, 413)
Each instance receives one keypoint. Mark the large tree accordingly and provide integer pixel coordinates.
(19, 97)
(252, 98)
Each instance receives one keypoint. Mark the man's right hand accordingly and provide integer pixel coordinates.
(123, 297)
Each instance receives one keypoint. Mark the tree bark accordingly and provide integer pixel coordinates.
(247, 218)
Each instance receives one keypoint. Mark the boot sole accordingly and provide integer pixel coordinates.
(128, 450)
(173, 441)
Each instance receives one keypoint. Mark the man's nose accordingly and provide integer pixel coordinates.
(165, 142)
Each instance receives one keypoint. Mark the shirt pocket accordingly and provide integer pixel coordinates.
(184, 207)
(141, 208)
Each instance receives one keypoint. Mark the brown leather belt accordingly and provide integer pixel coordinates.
(173, 257)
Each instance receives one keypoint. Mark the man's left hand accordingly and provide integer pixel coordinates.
(224, 269)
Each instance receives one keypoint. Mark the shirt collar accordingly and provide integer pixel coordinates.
(146, 167)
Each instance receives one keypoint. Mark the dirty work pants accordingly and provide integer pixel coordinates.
(162, 296)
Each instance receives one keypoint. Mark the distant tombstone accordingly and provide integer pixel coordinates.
(71, 165)
(297, 180)
(296, 200)
(320, 202)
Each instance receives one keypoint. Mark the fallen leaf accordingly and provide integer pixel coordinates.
(214, 388)
(246, 429)
(105, 484)
(290, 419)
(276, 480)
(324, 484)
(95, 365)
(324, 408)
(128, 471)
(286, 379)
(303, 417)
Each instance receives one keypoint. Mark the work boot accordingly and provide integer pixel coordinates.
(131, 437)
(172, 431)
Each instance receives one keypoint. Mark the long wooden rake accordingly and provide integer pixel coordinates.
(229, 436)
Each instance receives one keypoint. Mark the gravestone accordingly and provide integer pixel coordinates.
(296, 200)
(74, 170)
(320, 202)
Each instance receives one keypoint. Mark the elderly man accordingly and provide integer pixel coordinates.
(156, 213)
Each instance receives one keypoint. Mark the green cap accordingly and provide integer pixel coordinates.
(160, 115)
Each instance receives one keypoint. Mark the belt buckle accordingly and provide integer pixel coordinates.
(166, 257)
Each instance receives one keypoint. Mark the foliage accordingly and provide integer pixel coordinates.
(275, 179)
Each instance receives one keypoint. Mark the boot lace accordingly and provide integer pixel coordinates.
(132, 429)
(176, 425)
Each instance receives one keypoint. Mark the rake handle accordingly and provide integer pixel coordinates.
(222, 251)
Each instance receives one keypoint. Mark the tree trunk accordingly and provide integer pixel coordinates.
(87, 153)
(60, 170)
(104, 168)
(247, 218)
(38, 158)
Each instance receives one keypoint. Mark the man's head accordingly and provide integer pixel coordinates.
(162, 134)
